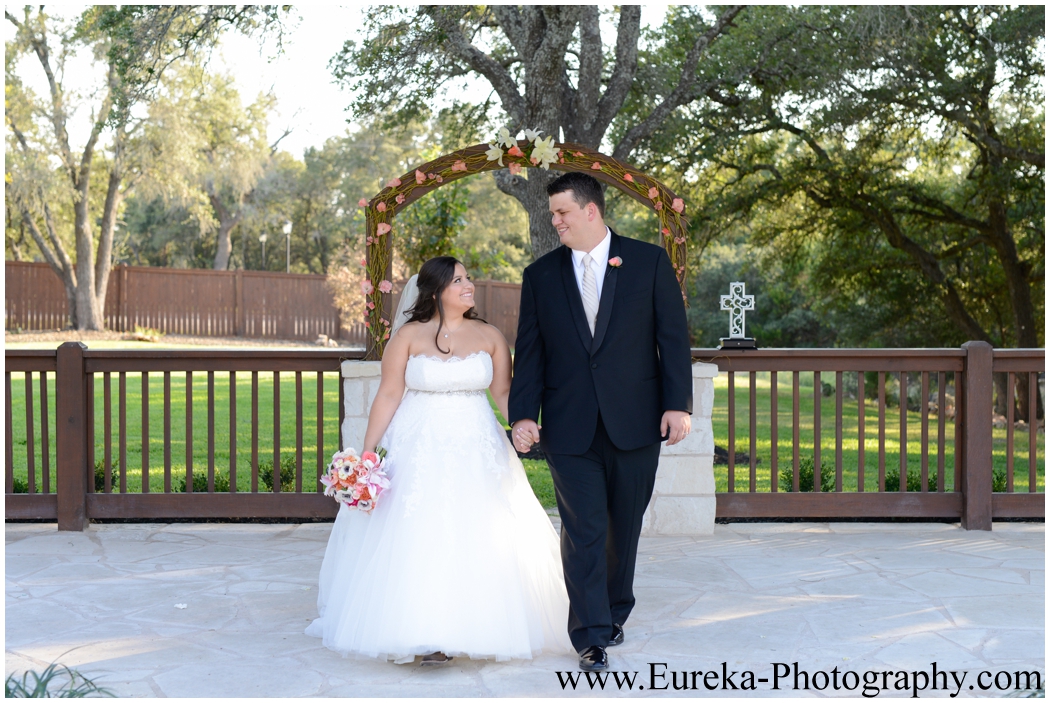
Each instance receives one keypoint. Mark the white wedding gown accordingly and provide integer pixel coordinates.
(458, 556)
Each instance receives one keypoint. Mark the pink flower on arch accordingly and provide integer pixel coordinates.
(385, 286)
(515, 151)
(381, 207)
(459, 166)
(400, 198)
(678, 205)
(666, 232)
(393, 183)
(362, 203)
(370, 305)
(515, 169)
(364, 261)
(628, 177)
(653, 192)
(420, 177)
(382, 228)
(366, 287)
(659, 205)
(438, 178)
(432, 176)
(596, 166)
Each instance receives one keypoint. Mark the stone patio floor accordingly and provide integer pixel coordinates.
(856, 597)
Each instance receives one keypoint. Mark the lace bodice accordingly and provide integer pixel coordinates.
(431, 374)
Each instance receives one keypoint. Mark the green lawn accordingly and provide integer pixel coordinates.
(200, 439)
(537, 471)
(763, 443)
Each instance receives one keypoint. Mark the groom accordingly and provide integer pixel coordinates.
(603, 353)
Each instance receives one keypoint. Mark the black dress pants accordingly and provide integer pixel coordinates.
(602, 496)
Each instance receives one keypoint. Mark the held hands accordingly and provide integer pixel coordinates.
(526, 433)
(675, 425)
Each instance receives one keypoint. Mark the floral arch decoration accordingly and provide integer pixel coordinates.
(532, 152)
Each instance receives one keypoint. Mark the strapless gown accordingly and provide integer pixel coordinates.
(459, 556)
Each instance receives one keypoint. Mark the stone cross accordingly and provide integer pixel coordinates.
(736, 303)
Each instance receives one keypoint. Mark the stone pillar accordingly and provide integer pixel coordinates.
(683, 501)
(360, 385)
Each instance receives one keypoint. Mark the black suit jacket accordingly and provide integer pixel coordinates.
(637, 365)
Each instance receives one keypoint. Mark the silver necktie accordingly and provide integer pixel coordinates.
(590, 292)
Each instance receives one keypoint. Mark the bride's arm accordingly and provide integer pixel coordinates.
(391, 389)
(500, 387)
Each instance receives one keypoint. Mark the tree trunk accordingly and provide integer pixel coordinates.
(1016, 272)
(1000, 382)
(227, 221)
(225, 248)
(88, 311)
(542, 235)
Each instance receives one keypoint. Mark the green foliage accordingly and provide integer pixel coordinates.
(805, 477)
(100, 475)
(914, 485)
(429, 226)
(21, 485)
(287, 473)
(56, 681)
(200, 483)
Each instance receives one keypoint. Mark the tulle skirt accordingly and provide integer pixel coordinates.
(457, 557)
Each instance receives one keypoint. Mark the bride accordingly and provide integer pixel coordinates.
(458, 557)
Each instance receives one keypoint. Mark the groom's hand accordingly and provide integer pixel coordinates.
(675, 425)
(526, 433)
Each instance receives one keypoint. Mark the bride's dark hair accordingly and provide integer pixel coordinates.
(434, 277)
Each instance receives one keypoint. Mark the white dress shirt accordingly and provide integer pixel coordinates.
(600, 254)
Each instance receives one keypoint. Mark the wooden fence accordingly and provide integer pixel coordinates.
(203, 303)
(161, 434)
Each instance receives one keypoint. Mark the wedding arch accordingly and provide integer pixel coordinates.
(532, 152)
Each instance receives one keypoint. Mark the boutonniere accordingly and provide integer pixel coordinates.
(616, 262)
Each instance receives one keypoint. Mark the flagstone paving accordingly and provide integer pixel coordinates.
(853, 597)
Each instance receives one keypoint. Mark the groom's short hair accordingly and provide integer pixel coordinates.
(585, 189)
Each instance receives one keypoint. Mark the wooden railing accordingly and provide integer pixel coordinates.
(962, 489)
(222, 420)
(95, 475)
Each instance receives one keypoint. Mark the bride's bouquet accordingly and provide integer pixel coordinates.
(357, 481)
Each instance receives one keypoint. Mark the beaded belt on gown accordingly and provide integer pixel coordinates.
(462, 393)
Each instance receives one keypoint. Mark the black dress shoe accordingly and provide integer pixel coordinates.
(594, 658)
(617, 635)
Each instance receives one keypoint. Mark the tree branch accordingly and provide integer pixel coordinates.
(509, 184)
(623, 73)
(589, 81)
(58, 114)
(682, 92)
(481, 62)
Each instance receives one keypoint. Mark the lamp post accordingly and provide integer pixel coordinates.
(262, 238)
(288, 246)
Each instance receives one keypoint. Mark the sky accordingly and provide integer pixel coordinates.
(308, 101)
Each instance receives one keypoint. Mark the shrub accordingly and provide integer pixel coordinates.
(200, 483)
(287, 473)
(805, 477)
(914, 485)
(41, 685)
(100, 476)
(999, 481)
(21, 485)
